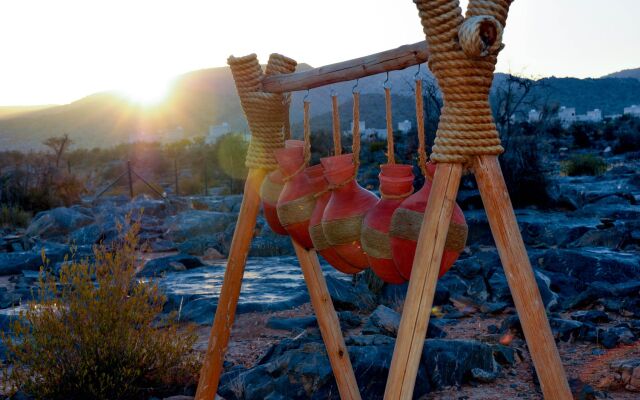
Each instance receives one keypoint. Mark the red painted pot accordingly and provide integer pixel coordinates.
(270, 193)
(396, 184)
(345, 211)
(297, 199)
(320, 243)
(405, 229)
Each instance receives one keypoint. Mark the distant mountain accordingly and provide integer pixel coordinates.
(207, 97)
(196, 100)
(625, 73)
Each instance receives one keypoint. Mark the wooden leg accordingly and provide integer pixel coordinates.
(225, 314)
(422, 285)
(521, 279)
(329, 323)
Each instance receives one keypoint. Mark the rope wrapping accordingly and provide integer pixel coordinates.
(266, 113)
(463, 57)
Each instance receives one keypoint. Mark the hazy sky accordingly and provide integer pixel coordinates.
(59, 51)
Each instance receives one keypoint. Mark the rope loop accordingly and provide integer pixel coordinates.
(267, 113)
(463, 58)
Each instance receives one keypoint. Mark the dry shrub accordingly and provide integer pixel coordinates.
(14, 216)
(584, 164)
(94, 333)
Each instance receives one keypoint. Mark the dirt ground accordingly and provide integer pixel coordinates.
(587, 362)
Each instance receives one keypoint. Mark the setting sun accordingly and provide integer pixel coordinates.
(147, 90)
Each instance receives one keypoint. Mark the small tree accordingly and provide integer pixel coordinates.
(59, 145)
(94, 333)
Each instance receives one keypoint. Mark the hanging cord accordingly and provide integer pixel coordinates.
(463, 57)
(337, 143)
(391, 157)
(422, 147)
(307, 141)
(355, 148)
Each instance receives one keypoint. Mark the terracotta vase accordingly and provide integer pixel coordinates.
(405, 229)
(345, 211)
(396, 184)
(297, 198)
(270, 193)
(315, 175)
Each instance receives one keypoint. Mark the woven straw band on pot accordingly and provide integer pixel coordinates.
(463, 58)
(405, 224)
(343, 230)
(270, 191)
(265, 112)
(317, 237)
(296, 211)
(375, 243)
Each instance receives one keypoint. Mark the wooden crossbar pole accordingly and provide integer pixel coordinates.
(521, 279)
(390, 60)
(328, 323)
(226, 311)
(422, 285)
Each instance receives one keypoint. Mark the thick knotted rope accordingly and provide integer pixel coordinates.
(463, 58)
(266, 112)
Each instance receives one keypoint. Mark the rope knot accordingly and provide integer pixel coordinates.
(480, 36)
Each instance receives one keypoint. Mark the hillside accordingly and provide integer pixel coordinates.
(207, 97)
(625, 73)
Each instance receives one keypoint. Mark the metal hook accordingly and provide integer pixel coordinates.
(333, 92)
(353, 89)
(417, 72)
(386, 82)
(306, 96)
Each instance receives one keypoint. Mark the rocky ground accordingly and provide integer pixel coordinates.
(586, 256)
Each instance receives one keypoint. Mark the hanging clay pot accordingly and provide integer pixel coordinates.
(316, 177)
(297, 199)
(270, 193)
(347, 206)
(396, 184)
(405, 229)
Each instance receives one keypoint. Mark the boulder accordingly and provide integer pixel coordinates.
(299, 368)
(347, 296)
(58, 222)
(178, 262)
(192, 223)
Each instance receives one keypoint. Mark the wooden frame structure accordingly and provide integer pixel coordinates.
(431, 242)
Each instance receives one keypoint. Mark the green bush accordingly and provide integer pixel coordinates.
(94, 333)
(14, 216)
(584, 164)
(628, 141)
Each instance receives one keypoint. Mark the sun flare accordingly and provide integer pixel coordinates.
(147, 91)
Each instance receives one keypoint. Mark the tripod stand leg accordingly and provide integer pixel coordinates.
(521, 279)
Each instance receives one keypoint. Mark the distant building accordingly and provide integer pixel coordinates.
(404, 126)
(590, 116)
(633, 110)
(216, 132)
(567, 115)
(534, 116)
